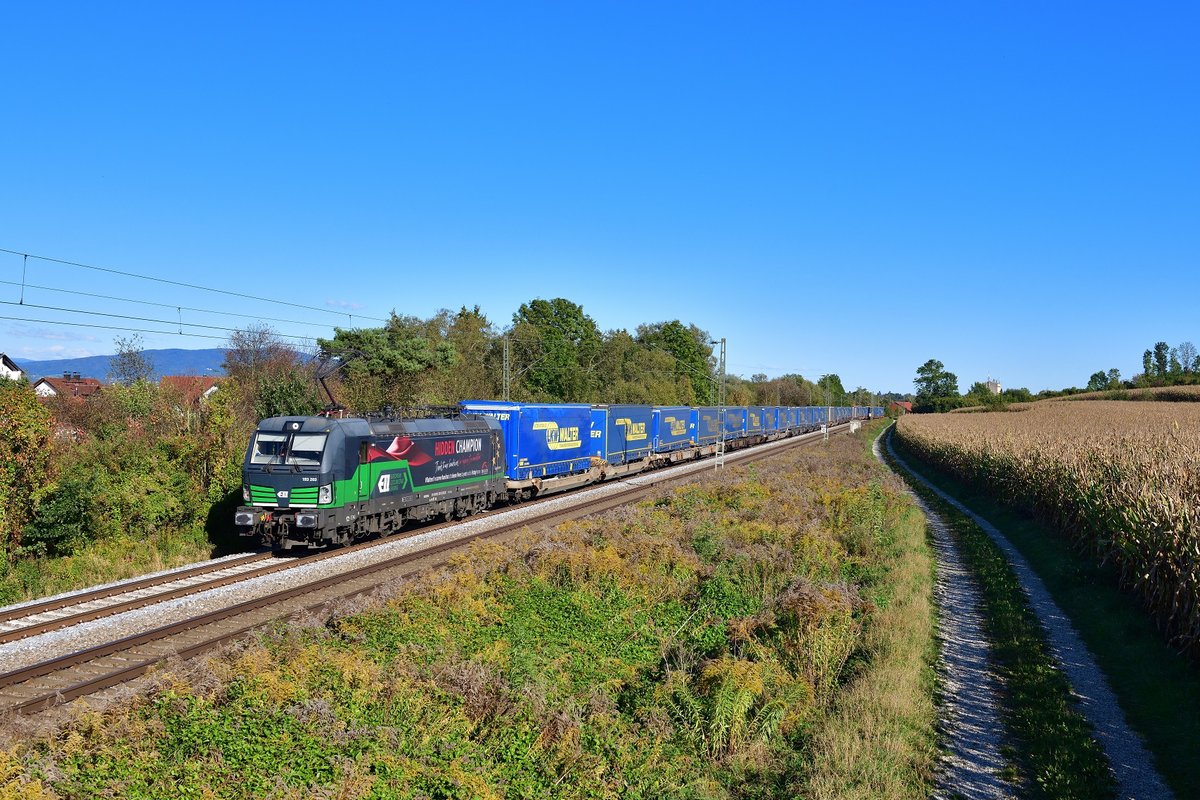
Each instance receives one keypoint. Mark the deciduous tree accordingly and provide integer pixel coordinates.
(933, 380)
(693, 353)
(832, 391)
(270, 376)
(557, 344)
(130, 364)
(634, 373)
(1162, 352)
(1187, 356)
(795, 390)
(254, 351)
(937, 389)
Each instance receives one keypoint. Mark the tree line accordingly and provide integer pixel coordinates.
(1162, 365)
(140, 459)
(555, 353)
(937, 390)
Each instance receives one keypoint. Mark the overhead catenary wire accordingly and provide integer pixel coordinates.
(176, 306)
(179, 324)
(124, 328)
(137, 319)
(26, 256)
(183, 284)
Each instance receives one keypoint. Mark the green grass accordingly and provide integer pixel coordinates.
(101, 561)
(1056, 755)
(1158, 689)
(764, 633)
(879, 740)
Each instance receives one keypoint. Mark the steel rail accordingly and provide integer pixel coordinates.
(277, 564)
(89, 595)
(51, 696)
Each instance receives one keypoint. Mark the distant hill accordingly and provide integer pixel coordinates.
(166, 362)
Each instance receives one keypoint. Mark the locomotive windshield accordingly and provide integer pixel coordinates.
(301, 449)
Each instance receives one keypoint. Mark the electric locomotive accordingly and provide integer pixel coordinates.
(314, 481)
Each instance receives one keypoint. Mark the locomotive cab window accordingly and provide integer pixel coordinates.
(268, 448)
(307, 449)
(303, 449)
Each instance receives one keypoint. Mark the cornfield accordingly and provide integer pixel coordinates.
(1121, 479)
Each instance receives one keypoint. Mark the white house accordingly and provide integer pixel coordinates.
(9, 368)
(69, 385)
(192, 389)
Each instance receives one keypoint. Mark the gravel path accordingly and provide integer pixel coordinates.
(971, 728)
(1137, 778)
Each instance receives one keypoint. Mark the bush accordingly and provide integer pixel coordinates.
(62, 523)
(25, 436)
(291, 394)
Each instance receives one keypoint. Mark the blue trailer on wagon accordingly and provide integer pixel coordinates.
(621, 433)
(673, 428)
(547, 445)
(734, 426)
(707, 422)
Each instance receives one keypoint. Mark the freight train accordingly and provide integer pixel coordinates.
(314, 482)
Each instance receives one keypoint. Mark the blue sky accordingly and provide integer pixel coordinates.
(1013, 189)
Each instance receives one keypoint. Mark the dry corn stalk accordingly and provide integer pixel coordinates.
(1122, 479)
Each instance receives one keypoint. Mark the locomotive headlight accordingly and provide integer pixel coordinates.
(325, 494)
(245, 493)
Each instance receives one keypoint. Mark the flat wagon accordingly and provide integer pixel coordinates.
(547, 445)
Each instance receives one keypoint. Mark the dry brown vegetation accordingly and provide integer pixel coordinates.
(1122, 479)
(1169, 394)
(750, 636)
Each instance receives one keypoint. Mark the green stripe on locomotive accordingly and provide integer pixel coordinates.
(366, 483)
(366, 472)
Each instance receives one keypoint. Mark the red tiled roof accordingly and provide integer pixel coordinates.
(190, 387)
(72, 387)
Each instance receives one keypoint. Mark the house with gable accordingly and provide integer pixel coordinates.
(69, 385)
(192, 390)
(9, 369)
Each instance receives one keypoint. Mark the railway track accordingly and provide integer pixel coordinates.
(59, 613)
(91, 670)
